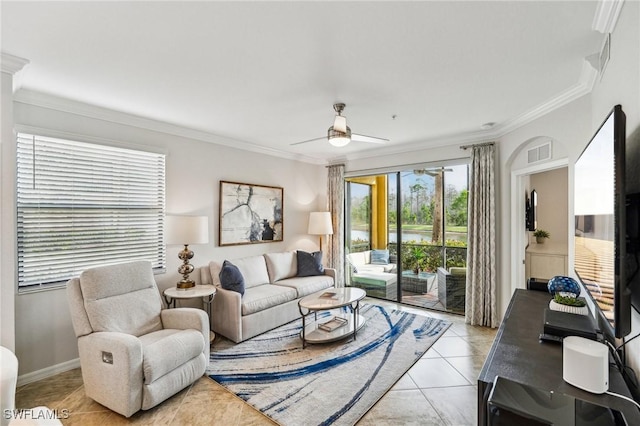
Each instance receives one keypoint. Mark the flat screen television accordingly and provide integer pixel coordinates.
(532, 208)
(600, 225)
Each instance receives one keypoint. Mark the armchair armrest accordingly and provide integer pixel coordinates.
(112, 370)
(186, 318)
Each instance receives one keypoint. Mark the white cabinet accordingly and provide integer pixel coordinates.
(546, 260)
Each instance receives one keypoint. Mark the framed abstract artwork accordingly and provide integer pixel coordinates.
(250, 214)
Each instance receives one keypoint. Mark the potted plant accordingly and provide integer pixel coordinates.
(569, 302)
(417, 256)
(540, 235)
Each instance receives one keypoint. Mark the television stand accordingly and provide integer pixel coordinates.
(518, 354)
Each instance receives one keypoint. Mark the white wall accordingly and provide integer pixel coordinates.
(7, 304)
(44, 335)
(552, 188)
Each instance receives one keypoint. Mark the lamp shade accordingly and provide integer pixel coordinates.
(320, 223)
(187, 229)
(338, 137)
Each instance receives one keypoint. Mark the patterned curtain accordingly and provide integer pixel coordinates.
(481, 297)
(335, 197)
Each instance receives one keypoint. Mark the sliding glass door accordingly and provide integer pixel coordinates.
(407, 236)
(433, 244)
(369, 264)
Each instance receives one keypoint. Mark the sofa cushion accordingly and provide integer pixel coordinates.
(352, 266)
(231, 278)
(372, 268)
(380, 257)
(309, 264)
(391, 268)
(281, 265)
(308, 285)
(253, 269)
(165, 350)
(214, 269)
(261, 297)
(360, 258)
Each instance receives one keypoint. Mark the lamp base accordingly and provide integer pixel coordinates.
(185, 284)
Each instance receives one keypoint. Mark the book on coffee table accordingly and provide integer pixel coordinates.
(329, 295)
(333, 323)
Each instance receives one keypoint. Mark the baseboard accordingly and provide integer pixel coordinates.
(34, 376)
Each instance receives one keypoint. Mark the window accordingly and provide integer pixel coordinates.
(420, 216)
(81, 205)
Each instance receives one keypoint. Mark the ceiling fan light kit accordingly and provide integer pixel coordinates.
(337, 137)
(340, 135)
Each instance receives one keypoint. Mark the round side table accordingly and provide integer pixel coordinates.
(206, 292)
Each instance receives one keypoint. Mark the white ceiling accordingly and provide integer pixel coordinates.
(267, 73)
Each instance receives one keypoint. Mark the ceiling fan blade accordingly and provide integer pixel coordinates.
(368, 139)
(431, 172)
(309, 140)
(340, 124)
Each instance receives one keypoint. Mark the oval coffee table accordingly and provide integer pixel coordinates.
(331, 299)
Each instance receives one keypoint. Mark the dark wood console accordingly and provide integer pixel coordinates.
(517, 354)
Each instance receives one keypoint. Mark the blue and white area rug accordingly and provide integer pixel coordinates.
(333, 383)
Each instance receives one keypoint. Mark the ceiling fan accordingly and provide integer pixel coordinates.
(340, 134)
(430, 172)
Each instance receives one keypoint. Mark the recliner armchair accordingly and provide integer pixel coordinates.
(133, 353)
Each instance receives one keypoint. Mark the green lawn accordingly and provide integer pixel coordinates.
(413, 227)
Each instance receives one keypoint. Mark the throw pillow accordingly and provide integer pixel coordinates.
(231, 278)
(379, 257)
(309, 264)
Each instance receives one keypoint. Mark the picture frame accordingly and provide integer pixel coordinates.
(250, 214)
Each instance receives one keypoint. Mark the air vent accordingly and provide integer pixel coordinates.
(539, 153)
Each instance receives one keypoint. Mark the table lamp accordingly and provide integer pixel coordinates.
(320, 224)
(186, 230)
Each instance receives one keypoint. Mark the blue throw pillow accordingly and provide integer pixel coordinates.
(309, 264)
(231, 278)
(379, 257)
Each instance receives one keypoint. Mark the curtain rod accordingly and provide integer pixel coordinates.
(339, 164)
(478, 144)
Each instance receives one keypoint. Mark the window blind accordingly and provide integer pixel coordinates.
(81, 205)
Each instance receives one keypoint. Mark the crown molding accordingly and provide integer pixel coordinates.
(606, 16)
(584, 86)
(588, 76)
(48, 101)
(12, 64)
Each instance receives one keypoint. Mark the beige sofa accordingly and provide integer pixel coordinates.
(272, 291)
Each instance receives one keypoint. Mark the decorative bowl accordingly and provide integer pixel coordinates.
(561, 283)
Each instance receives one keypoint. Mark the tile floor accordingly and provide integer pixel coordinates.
(440, 389)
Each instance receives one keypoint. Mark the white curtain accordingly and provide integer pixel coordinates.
(335, 197)
(481, 296)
